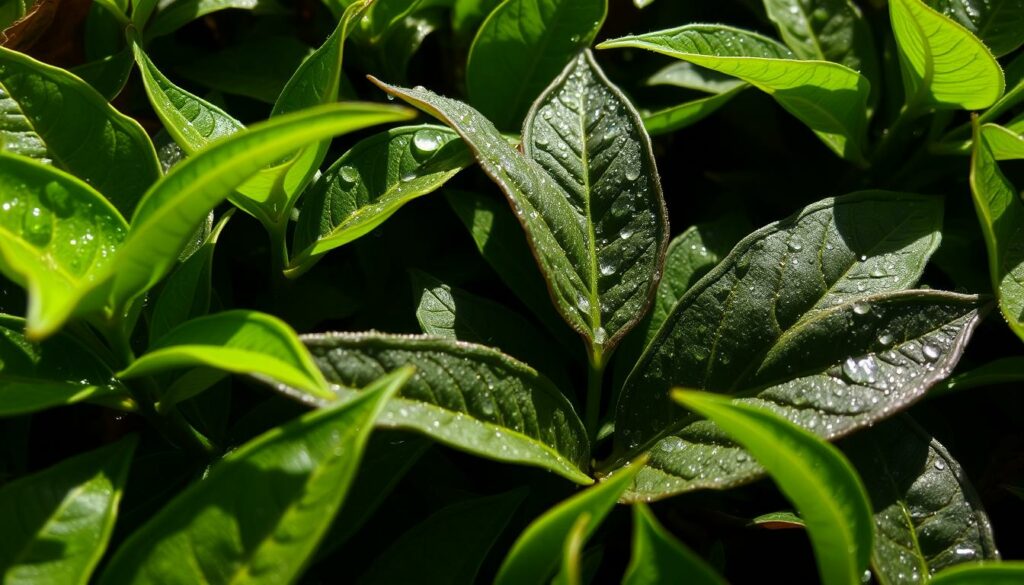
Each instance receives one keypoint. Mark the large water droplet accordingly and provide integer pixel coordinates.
(795, 245)
(860, 371)
(632, 173)
(583, 303)
(861, 307)
(348, 174)
(600, 336)
(940, 464)
(607, 267)
(426, 141)
(37, 226)
(931, 352)
(885, 338)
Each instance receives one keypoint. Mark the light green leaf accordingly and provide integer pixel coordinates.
(570, 572)
(57, 237)
(470, 529)
(48, 114)
(243, 342)
(60, 370)
(778, 520)
(998, 23)
(1004, 143)
(659, 558)
(829, 98)
(295, 479)
(841, 345)
(926, 516)
(369, 183)
(171, 210)
(689, 76)
(943, 64)
(173, 14)
(1004, 573)
(1001, 215)
(536, 553)
(57, 522)
(813, 475)
(585, 189)
(529, 41)
(686, 114)
(466, 396)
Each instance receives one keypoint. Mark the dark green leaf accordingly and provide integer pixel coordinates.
(570, 572)
(295, 479)
(1007, 573)
(689, 76)
(998, 23)
(174, 14)
(107, 75)
(659, 558)
(529, 41)
(257, 68)
(1001, 371)
(812, 474)
(466, 396)
(48, 114)
(57, 522)
(467, 15)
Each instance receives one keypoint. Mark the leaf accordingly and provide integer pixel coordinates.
(58, 371)
(174, 14)
(529, 41)
(257, 67)
(242, 342)
(1000, 371)
(926, 515)
(1005, 144)
(659, 558)
(186, 293)
(48, 114)
(468, 397)
(296, 477)
(537, 551)
(470, 529)
(831, 99)
(1004, 573)
(943, 64)
(1014, 90)
(689, 76)
(107, 75)
(467, 16)
(58, 521)
(369, 183)
(812, 474)
(586, 190)
(385, 14)
(57, 237)
(686, 114)
(570, 572)
(171, 210)
(778, 521)
(1001, 215)
(840, 346)
(998, 23)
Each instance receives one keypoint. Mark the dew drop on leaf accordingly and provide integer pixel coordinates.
(37, 225)
(861, 307)
(348, 174)
(426, 141)
(931, 352)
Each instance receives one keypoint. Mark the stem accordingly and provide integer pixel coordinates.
(884, 148)
(595, 375)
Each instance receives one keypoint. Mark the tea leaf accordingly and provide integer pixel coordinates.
(1001, 371)
(659, 558)
(1000, 573)
(998, 23)
(686, 114)
(466, 396)
(296, 477)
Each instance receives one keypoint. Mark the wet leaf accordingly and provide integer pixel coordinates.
(998, 23)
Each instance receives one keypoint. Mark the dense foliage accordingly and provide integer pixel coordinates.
(543, 339)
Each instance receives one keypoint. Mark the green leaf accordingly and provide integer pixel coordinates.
(812, 474)
(1014, 91)
(257, 67)
(840, 346)
(998, 23)
(107, 75)
(826, 30)
(926, 516)
(570, 572)
(57, 522)
(686, 75)
(686, 114)
(778, 521)
(384, 15)
(60, 370)
(57, 237)
(466, 396)
(171, 210)
(1001, 215)
(242, 342)
(586, 190)
(48, 114)
(943, 64)
(174, 14)
(186, 293)
(1004, 573)
(296, 477)
(829, 98)
(1004, 143)
(1001, 371)
(369, 183)
(538, 550)
(659, 558)
(470, 529)
(529, 41)
(467, 15)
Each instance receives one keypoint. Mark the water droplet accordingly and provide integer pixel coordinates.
(965, 552)
(632, 173)
(795, 245)
(348, 174)
(671, 444)
(860, 371)
(426, 141)
(861, 307)
(37, 225)
(931, 352)
(885, 338)
(625, 233)
(600, 336)
(940, 464)
(607, 267)
(583, 303)
(408, 177)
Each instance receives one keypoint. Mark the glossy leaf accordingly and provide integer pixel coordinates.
(829, 98)
(927, 516)
(369, 183)
(571, 571)
(998, 23)
(57, 522)
(659, 558)
(778, 521)
(58, 371)
(538, 550)
(470, 528)
(296, 477)
(586, 190)
(1004, 143)
(943, 64)
(107, 75)
(686, 75)
(173, 15)
(48, 114)
(468, 15)
(1001, 215)
(242, 342)
(686, 114)
(812, 474)
(469, 397)
(57, 236)
(1005, 573)
(841, 345)
(529, 41)
(171, 210)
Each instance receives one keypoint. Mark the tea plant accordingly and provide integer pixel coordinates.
(514, 365)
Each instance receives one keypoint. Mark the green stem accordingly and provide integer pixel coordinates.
(595, 376)
(894, 134)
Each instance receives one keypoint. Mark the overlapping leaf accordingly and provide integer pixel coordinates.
(659, 558)
(999, 23)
